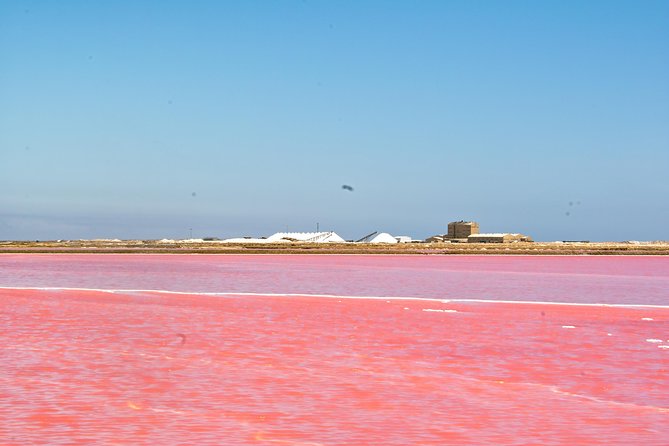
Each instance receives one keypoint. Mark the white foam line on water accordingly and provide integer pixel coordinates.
(338, 296)
(595, 399)
(555, 389)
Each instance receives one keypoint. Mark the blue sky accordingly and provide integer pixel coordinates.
(135, 119)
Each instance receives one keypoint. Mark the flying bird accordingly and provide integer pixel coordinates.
(347, 187)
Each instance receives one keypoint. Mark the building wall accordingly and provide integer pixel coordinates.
(498, 238)
(462, 229)
(488, 239)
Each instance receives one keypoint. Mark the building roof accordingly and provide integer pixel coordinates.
(495, 234)
(247, 240)
(316, 237)
(383, 237)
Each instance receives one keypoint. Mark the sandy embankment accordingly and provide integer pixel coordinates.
(217, 247)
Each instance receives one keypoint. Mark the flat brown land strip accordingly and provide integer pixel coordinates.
(179, 247)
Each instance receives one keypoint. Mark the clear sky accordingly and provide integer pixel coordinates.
(138, 119)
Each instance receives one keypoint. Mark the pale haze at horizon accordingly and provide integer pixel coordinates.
(152, 120)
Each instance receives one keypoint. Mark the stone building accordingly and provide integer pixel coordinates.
(462, 229)
(498, 238)
(458, 231)
(468, 231)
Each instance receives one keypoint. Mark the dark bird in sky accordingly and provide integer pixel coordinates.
(347, 187)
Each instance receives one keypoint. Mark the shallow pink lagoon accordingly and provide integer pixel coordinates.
(142, 367)
(576, 279)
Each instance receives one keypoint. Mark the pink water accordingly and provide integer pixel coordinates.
(140, 367)
(576, 279)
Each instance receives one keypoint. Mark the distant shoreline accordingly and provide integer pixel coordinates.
(216, 247)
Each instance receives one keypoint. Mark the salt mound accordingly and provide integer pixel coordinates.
(383, 237)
